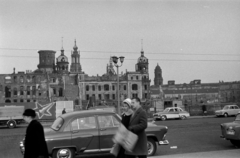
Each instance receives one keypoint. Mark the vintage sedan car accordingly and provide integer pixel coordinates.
(231, 131)
(228, 110)
(171, 113)
(90, 132)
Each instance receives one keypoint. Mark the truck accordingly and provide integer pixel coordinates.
(11, 115)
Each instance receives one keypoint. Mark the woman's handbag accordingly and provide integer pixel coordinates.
(115, 149)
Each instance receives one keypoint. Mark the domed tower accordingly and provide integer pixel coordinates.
(75, 65)
(62, 63)
(110, 69)
(158, 79)
(46, 60)
(142, 64)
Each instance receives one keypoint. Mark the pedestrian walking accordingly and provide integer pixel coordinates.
(126, 115)
(137, 125)
(204, 110)
(35, 144)
(63, 111)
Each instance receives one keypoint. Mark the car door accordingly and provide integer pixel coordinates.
(173, 113)
(231, 110)
(236, 110)
(85, 135)
(108, 125)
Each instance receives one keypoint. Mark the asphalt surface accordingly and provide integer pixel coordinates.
(194, 137)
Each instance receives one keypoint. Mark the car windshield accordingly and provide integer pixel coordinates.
(57, 124)
(166, 110)
(237, 117)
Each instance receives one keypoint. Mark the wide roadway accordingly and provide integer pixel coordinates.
(185, 136)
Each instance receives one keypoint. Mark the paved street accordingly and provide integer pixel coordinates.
(185, 136)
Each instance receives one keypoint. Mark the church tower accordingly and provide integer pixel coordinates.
(142, 64)
(75, 65)
(158, 79)
(62, 63)
(110, 68)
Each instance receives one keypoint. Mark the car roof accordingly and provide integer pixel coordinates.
(85, 113)
(230, 105)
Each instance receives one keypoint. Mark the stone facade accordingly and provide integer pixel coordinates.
(54, 82)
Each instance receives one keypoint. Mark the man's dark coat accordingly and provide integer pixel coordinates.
(35, 144)
(138, 124)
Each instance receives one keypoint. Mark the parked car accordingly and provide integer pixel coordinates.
(171, 113)
(231, 131)
(90, 132)
(228, 110)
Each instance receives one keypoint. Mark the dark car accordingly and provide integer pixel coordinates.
(231, 131)
(90, 132)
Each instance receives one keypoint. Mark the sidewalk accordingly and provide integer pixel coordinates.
(234, 153)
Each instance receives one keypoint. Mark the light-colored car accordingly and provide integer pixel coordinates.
(171, 113)
(228, 110)
(231, 131)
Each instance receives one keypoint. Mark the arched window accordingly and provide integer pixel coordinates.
(60, 92)
(21, 90)
(34, 79)
(93, 87)
(29, 79)
(99, 88)
(15, 91)
(28, 90)
(34, 90)
(7, 91)
(134, 87)
(21, 79)
(87, 87)
(15, 79)
(106, 87)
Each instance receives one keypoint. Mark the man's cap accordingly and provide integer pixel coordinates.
(29, 112)
(127, 101)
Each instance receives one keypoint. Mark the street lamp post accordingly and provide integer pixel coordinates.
(115, 61)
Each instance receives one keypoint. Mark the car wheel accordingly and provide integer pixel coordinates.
(64, 153)
(235, 142)
(11, 124)
(163, 118)
(151, 146)
(225, 115)
(183, 117)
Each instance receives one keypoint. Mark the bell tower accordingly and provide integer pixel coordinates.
(75, 65)
(158, 79)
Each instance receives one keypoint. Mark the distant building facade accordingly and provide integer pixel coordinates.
(197, 93)
(55, 82)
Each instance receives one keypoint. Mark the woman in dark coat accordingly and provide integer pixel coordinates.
(35, 144)
(126, 115)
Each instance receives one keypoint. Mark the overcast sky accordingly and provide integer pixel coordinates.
(188, 39)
